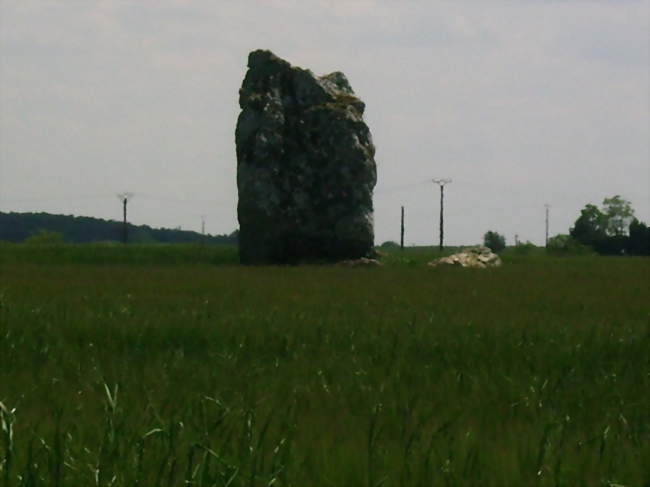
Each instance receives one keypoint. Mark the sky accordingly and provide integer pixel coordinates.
(521, 103)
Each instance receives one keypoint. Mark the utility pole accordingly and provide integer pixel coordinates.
(401, 239)
(546, 206)
(124, 198)
(442, 183)
(202, 229)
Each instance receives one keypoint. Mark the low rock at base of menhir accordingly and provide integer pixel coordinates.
(362, 262)
(476, 257)
(305, 166)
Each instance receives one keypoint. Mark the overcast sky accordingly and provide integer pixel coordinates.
(521, 103)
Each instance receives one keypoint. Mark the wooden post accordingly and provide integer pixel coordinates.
(441, 183)
(442, 234)
(124, 198)
(124, 229)
(401, 239)
(546, 239)
(202, 230)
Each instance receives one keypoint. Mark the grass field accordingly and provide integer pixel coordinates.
(162, 366)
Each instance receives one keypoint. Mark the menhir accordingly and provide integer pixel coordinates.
(305, 166)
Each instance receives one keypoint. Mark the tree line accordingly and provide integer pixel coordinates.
(20, 227)
(611, 229)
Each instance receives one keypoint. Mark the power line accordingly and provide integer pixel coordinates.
(400, 187)
(71, 199)
(183, 200)
(56, 198)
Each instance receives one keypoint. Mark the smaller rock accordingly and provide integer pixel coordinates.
(477, 257)
(362, 262)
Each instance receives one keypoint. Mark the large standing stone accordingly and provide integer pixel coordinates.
(305, 166)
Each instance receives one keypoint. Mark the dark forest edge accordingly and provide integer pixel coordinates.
(48, 228)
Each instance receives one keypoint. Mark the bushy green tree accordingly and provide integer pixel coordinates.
(495, 241)
(604, 230)
(389, 244)
(639, 239)
(563, 244)
(525, 248)
(591, 226)
(618, 215)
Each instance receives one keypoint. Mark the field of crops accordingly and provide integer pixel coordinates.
(160, 366)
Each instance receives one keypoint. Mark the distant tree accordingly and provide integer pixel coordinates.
(495, 241)
(604, 230)
(142, 236)
(563, 244)
(525, 248)
(618, 215)
(45, 237)
(389, 244)
(639, 238)
(591, 227)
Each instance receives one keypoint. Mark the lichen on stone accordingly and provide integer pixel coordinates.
(305, 166)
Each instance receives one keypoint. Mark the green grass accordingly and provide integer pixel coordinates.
(147, 373)
(111, 254)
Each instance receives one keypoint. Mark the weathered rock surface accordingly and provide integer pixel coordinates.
(305, 166)
(362, 262)
(479, 257)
